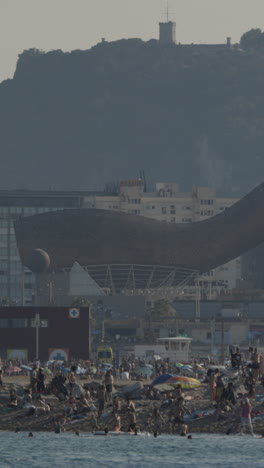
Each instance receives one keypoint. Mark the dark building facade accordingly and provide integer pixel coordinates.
(63, 333)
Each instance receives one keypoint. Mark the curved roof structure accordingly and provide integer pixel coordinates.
(99, 237)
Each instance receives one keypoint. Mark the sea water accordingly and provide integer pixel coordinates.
(47, 450)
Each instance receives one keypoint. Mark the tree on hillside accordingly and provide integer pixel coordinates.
(253, 39)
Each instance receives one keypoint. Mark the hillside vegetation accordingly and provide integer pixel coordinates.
(190, 114)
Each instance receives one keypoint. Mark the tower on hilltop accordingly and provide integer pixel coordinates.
(167, 31)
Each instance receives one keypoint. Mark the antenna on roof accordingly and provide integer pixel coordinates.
(167, 11)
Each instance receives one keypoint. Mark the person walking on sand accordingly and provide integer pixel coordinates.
(246, 409)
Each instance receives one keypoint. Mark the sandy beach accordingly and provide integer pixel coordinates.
(196, 399)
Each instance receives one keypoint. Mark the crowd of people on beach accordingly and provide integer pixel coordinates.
(171, 411)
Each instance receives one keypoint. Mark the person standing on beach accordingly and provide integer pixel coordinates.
(246, 409)
(157, 421)
(255, 358)
(1, 378)
(213, 380)
(101, 399)
(33, 379)
(72, 377)
(40, 380)
(108, 381)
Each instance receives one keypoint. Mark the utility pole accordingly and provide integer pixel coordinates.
(223, 340)
(90, 331)
(37, 326)
(50, 292)
(22, 287)
(212, 335)
(197, 300)
(103, 325)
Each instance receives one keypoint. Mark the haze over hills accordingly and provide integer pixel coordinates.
(79, 120)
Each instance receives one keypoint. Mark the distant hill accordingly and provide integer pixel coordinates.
(190, 114)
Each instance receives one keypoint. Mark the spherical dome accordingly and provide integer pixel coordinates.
(38, 261)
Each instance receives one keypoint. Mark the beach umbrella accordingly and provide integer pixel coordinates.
(178, 364)
(65, 370)
(200, 368)
(47, 371)
(80, 370)
(187, 369)
(144, 371)
(161, 379)
(10, 370)
(107, 364)
(26, 368)
(185, 382)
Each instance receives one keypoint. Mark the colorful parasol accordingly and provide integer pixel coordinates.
(161, 379)
(13, 369)
(185, 382)
(26, 368)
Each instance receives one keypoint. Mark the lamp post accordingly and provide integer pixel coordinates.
(197, 299)
(37, 326)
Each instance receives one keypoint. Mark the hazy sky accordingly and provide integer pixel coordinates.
(79, 24)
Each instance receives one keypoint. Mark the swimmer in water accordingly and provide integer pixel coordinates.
(30, 434)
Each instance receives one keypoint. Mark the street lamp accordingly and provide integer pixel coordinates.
(36, 323)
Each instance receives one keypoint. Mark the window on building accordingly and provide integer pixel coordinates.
(163, 210)
(3, 209)
(207, 202)
(4, 323)
(187, 220)
(136, 212)
(16, 210)
(174, 346)
(173, 220)
(172, 209)
(207, 213)
(134, 201)
(19, 323)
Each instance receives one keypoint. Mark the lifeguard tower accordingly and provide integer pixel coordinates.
(176, 348)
